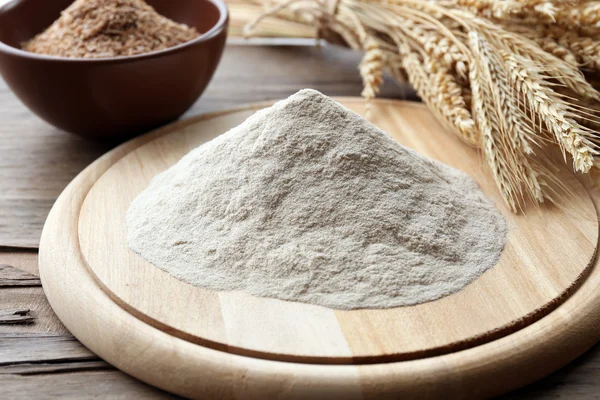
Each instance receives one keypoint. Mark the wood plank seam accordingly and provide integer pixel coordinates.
(54, 368)
(15, 249)
(13, 277)
(16, 316)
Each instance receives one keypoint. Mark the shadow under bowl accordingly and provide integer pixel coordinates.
(111, 98)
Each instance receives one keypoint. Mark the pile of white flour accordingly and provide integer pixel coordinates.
(307, 201)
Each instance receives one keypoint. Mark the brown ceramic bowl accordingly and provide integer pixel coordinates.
(111, 98)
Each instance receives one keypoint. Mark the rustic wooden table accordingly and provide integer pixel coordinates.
(38, 356)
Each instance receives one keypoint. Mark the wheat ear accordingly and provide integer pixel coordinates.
(442, 94)
(511, 128)
(531, 83)
(557, 69)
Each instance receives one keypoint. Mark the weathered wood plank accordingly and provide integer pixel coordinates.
(111, 384)
(16, 316)
(24, 348)
(39, 368)
(566, 383)
(32, 298)
(14, 277)
(58, 366)
(23, 259)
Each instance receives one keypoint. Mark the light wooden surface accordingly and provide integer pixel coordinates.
(535, 269)
(76, 236)
(37, 161)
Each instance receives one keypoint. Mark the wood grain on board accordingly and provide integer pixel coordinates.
(37, 162)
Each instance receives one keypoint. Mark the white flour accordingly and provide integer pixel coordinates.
(307, 201)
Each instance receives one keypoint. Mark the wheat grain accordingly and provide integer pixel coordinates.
(530, 82)
(442, 94)
(512, 121)
(439, 47)
(511, 126)
(539, 36)
(577, 50)
(491, 8)
(557, 69)
(448, 94)
(486, 118)
(586, 48)
(586, 112)
(510, 8)
(371, 71)
(586, 14)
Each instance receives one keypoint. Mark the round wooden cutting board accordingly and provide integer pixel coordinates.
(537, 309)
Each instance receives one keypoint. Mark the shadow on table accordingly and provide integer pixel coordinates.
(578, 380)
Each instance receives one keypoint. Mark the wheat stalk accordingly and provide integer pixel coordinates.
(585, 48)
(487, 122)
(371, 69)
(510, 133)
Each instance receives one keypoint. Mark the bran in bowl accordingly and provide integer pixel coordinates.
(109, 28)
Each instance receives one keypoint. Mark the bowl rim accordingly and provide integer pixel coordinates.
(217, 28)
